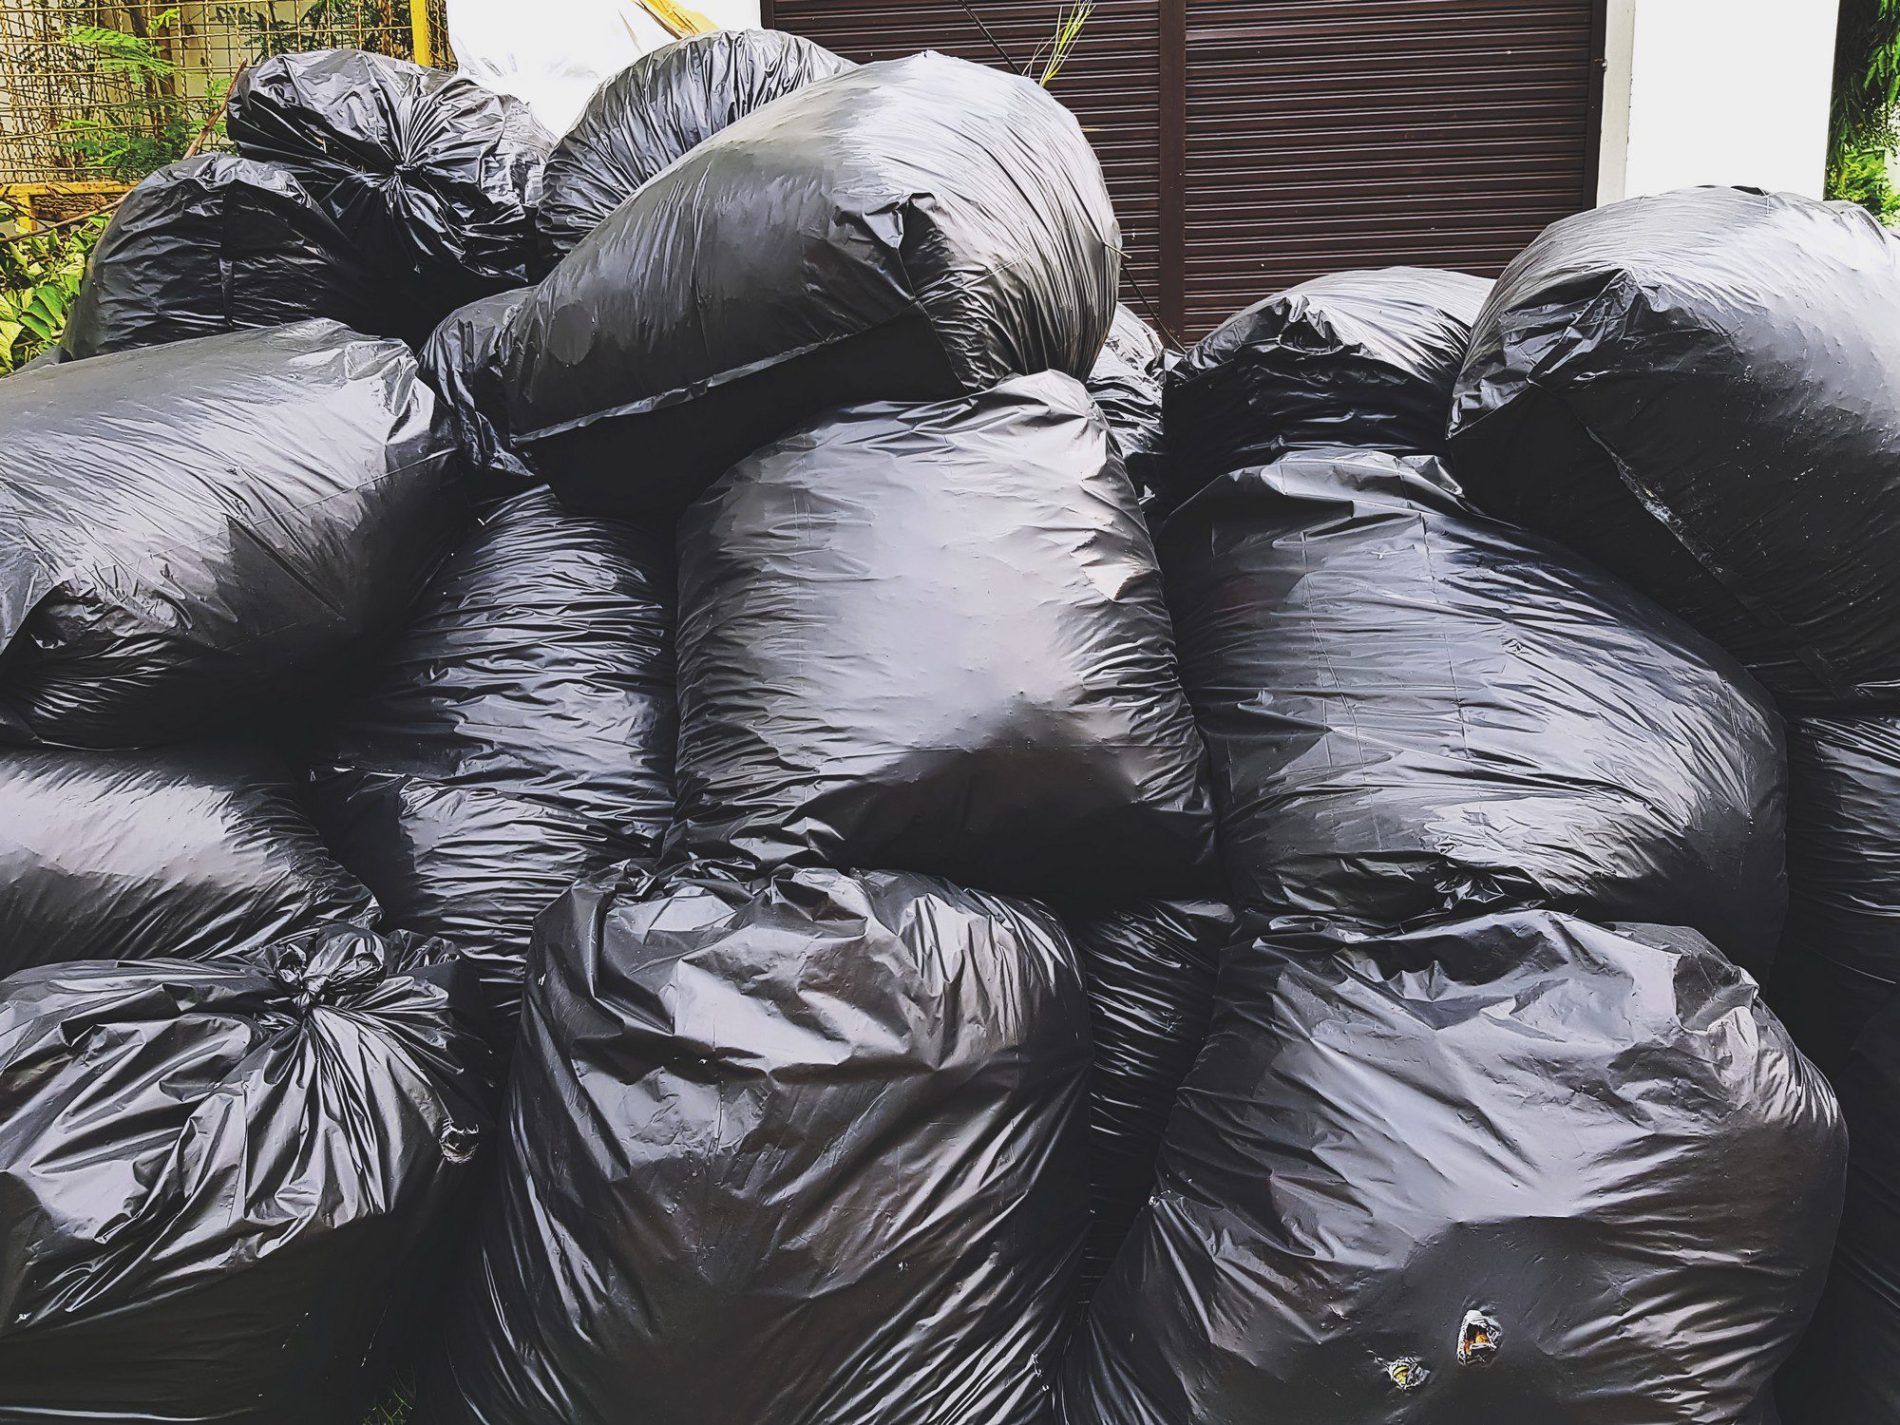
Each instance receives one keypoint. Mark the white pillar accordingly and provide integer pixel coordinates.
(1716, 91)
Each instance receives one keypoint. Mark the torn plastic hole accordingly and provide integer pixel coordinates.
(1478, 1339)
(1407, 1372)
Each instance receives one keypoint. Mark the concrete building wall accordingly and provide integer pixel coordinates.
(1716, 91)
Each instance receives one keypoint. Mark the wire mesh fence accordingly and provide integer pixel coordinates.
(95, 95)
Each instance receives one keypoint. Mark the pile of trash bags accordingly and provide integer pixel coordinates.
(676, 765)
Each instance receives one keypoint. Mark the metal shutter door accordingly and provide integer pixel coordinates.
(1331, 134)
(1112, 83)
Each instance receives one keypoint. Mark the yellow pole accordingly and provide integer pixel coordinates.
(421, 37)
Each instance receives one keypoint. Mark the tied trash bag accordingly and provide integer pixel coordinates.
(217, 244)
(462, 363)
(181, 854)
(1125, 385)
(519, 735)
(933, 638)
(656, 110)
(190, 535)
(1839, 962)
(225, 1185)
(1697, 391)
(1844, 1368)
(808, 1151)
(907, 231)
(1354, 358)
(436, 176)
(1150, 973)
(1517, 1168)
(1413, 712)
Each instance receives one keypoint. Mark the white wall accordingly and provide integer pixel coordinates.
(1716, 91)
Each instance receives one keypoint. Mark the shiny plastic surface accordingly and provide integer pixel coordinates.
(1362, 358)
(216, 244)
(462, 363)
(933, 638)
(224, 1185)
(187, 853)
(1697, 390)
(1507, 1170)
(519, 734)
(192, 533)
(1150, 974)
(1126, 387)
(1839, 962)
(656, 110)
(1412, 712)
(906, 231)
(1844, 1368)
(809, 1152)
(434, 175)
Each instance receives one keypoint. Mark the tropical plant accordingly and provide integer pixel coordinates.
(1864, 128)
(152, 124)
(40, 273)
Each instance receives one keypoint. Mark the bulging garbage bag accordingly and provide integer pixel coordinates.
(225, 1185)
(1844, 1368)
(179, 854)
(656, 110)
(1517, 1168)
(907, 231)
(517, 736)
(1126, 387)
(436, 176)
(1362, 358)
(1696, 390)
(191, 533)
(933, 638)
(217, 244)
(462, 362)
(807, 1151)
(1150, 972)
(1412, 712)
(1839, 961)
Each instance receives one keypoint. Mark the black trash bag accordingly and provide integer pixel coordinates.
(1839, 962)
(1414, 712)
(656, 110)
(462, 362)
(434, 175)
(1355, 358)
(933, 638)
(1517, 1168)
(906, 231)
(182, 854)
(1696, 390)
(218, 244)
(518, 736)
(225, 1186)
(809, 1151)
(192, 533)
(1126, 387)
(1843, 1371)
(1150, 973)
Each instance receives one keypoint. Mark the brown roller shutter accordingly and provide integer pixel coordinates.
(1330, 134)
(1112, 83)
(1251, 144)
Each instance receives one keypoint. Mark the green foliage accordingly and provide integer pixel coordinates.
(1865, 176)
(40, 273)
(1866, 78)
(152, 125)
(327, 24)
